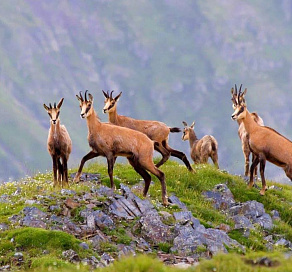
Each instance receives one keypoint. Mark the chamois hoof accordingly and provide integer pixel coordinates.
(262, 191)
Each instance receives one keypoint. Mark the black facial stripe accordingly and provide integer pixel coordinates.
(57, 115)
(111, 105)
(50, 115)
(88, 108)
(240, 110)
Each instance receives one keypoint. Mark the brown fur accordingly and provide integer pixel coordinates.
(155, 130)
(266, 143)
(110, 141)
(59, 145)
(201, 149)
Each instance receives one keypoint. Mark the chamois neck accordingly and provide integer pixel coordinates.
(249, 123)
(192, 137)
(92, 121)
(55, 128)
(113, 116)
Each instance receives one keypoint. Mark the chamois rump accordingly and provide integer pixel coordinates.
(110, 141)
(201, 149)
(155, 130)
(243, 136)
(59, 145)
(266, 143)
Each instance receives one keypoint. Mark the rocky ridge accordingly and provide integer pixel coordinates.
(149, 228)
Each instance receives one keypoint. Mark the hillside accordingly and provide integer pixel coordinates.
(173, 60)
(212, 224)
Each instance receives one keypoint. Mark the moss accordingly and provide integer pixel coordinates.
(165, 247)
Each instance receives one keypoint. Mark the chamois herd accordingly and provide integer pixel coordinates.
(137, 139)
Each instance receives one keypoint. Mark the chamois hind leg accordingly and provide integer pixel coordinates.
(178, 154)
(149, 165)
(110, 169)
(262, 159)
(256, 168)
(60, 172)
(288, 171)
(143, 173)
(87, 157)
(165, 153)
(214, 157)
(252, 167)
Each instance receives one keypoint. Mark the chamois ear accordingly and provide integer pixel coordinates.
(192, 125)
(118, 96)
(90, 97)
(185, 123)
(105, 94)
(232, 90)
(60, 103)
(244, 93)
(46, 107)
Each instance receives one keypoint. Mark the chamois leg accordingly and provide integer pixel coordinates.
(178, 154)
(160, 175)
(214, 157)
(246, 153)
(110, 170)
(288, 171)
(59, 172)
(252, 167)
(54, 158)
(256, 168)
(262, 171)
(143, 173)
(65, 181)
(165, 154)
(87, 157)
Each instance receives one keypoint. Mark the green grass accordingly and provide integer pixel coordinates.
(188, 187)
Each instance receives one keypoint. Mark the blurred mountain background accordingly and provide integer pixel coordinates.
(173, 60)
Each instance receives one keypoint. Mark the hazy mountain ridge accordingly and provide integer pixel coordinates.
(173, 61)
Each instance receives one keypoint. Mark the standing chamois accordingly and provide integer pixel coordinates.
(59, 145)
(110, 141)
(266, 143)
(243, 136)
(156, 131)
(201, 149)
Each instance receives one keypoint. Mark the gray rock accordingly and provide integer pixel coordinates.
(3, 227)
(242, 222)
(67, 192)
(106, 259)
(30, 221)
(34, 212)
(275, 215)
(175, 200)
(97, 239)
(84, 245)
(153, 230)
(265, 221)
(283, 242)
(124, 250)
(71, 256)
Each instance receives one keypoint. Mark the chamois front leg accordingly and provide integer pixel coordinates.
(165, 153)
(87, 157)
(54, 158)
(60, 172)
(252, 167)
(110, 170)
(65, 181)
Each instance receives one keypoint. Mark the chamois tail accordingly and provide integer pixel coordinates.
(174, 129)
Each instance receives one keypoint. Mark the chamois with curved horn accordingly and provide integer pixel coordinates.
(266, 143)
(155, 130)
(201, 149)
(59, 145)
(243, 136)
(110, 141)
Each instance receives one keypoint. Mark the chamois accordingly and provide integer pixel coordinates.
(110, 141)
(59, 145)
(155, 130)
(266, 143)
(243, 136)
(201, 149)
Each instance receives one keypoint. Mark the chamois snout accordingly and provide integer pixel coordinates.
(233, 116)
(82, 115)
(54, 121)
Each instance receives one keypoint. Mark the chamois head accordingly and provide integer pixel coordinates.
(186, 131)
(110, 102)
(239, 104)
(85, 104)
(235, 97)
(54, 112)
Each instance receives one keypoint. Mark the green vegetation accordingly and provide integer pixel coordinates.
(43, 248)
